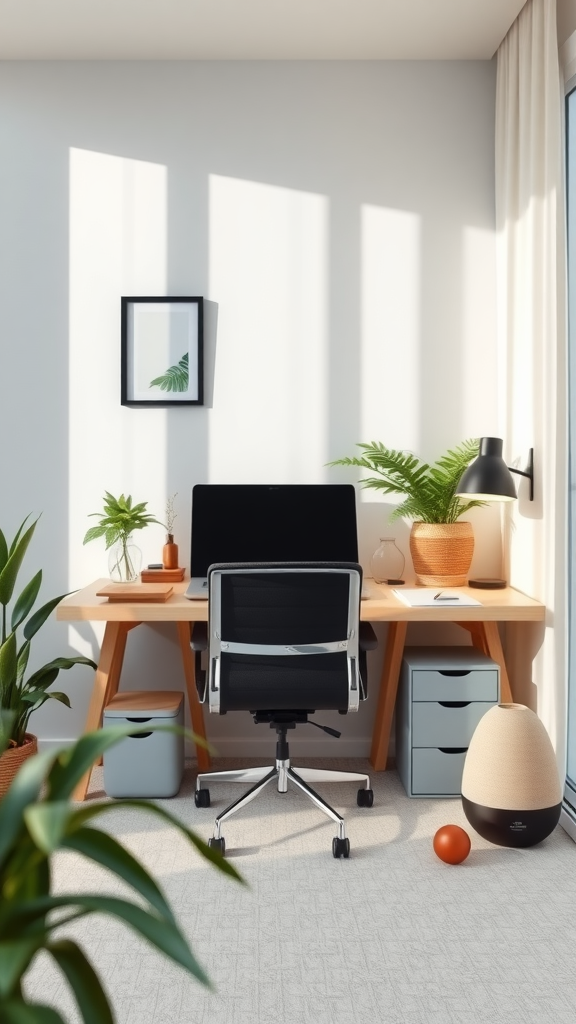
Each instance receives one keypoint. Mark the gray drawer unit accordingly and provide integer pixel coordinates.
(148, 763)
(443, 694)
(437, 772)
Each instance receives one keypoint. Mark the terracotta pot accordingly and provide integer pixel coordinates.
(511, 792)
(442, 553)
(12, 758)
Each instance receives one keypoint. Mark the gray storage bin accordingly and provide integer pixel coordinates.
(148, 765)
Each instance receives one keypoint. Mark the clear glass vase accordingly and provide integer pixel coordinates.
(124, 561)
(387, 563)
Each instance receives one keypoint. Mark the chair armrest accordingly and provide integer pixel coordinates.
(366, 636)
(199, 644)
(367, 641)
(199, 637)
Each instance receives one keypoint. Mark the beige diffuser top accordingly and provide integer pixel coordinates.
(510, 762)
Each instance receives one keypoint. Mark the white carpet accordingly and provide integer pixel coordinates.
(391, 935)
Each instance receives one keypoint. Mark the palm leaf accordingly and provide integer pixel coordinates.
(39, 678)
(12, 566)
(24, 789)
(39, 618)
(3, 551)
(29, 1013)
(15, 955)
(26, 600)
(160, 933)
(83, 981)
(175, 378)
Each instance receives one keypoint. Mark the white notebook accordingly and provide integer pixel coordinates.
(432, 597)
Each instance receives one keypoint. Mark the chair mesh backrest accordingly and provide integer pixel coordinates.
(284, 605)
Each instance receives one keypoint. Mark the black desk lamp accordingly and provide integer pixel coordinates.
(488, 478)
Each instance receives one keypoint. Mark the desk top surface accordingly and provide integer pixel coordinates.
(381, 605)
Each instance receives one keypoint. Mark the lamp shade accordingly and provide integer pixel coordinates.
(488, 477)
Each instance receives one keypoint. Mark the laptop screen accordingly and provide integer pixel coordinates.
(272, 523)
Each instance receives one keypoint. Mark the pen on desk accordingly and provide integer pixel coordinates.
(441, 596)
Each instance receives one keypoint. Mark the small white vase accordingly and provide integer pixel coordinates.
(124, 561)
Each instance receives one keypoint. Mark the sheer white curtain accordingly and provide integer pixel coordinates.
(532, 343)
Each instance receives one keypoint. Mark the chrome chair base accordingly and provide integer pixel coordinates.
(283, 773)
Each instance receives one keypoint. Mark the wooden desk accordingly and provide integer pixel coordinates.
(381, 605)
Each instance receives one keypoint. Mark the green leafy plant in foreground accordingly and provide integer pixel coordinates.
(19, 695)
(175, 378)
(430, 490)
(36, 820)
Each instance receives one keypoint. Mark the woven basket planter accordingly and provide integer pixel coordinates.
(13, 758)
(442, 553)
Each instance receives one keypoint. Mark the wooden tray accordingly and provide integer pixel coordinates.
(136, 592)
(162, 575)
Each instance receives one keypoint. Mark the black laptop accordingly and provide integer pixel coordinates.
(270, 523)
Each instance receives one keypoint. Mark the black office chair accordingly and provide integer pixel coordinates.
(283, 643)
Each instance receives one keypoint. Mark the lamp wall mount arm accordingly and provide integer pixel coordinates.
(528, 472)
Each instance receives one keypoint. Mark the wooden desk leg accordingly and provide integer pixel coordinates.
(477, 635)
(105, 685)
(196, 712)
(493, 648)
(387, 699)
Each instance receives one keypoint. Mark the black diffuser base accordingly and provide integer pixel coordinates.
(511, 828)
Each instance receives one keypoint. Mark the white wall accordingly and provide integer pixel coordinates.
(338, 217)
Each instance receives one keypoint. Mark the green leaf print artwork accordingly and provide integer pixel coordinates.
(175, 378)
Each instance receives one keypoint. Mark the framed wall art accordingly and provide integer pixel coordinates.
(162, 351)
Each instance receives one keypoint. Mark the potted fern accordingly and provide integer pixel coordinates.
(20, 694)
(441, 543)
(118, 522)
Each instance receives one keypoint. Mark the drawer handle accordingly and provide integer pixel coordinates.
(138, 719)
(454, 703)
(139, 735)
(453, 750)
(454, 672)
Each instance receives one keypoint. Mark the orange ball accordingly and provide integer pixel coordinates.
(451, 844)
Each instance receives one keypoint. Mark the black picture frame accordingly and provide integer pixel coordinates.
(162, 350)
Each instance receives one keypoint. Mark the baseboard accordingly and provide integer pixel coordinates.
(52, 744)
(251, 746)
(568, 822)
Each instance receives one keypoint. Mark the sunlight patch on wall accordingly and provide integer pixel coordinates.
(479, 370)
(118, 218)
(390, 327)
(268, 259)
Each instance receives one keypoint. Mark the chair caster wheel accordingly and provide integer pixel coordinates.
(202, 797)
(217, 844)
(340, 847)
(365, 797)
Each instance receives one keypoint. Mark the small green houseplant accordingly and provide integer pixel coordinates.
(441, 546)
(36, 820)
(119, 520)
(21, 694)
